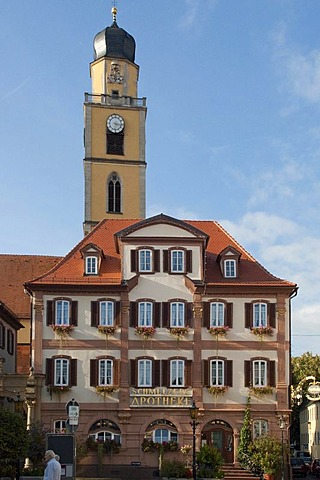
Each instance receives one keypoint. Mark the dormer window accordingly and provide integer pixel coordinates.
(177, 261)
(91, 265)
(230, 268)
(145, 260)
(92, 256)
(229, 260)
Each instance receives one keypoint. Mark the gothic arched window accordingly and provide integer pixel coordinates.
(114, 194)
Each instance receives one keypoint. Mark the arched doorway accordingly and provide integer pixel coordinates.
(219, 434)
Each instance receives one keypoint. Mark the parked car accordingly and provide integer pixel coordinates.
(298, 467)
(315, 467)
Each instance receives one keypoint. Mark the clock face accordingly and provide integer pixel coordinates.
(115, 123)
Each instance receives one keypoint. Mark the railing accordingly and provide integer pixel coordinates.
(115, 100)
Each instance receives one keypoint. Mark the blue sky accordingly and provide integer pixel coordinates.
(233, 125)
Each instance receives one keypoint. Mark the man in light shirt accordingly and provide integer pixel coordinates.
(53, 468)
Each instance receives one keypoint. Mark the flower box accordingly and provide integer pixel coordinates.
(145, 332)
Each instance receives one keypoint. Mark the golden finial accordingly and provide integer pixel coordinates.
(114, 12)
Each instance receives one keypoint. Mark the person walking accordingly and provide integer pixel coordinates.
(53, 467)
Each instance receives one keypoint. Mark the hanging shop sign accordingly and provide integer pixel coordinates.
(313, 391)
(161, 397)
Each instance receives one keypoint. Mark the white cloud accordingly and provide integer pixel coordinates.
(195, 11)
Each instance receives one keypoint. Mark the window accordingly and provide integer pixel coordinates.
(61, 372)
(145, 260)
(230, 268)
(145, 314)
(177, 261)
(105, 429)
(91, 265)
(106, 313)
(114, 194)
(10, 342)
(161, 430)
(59, 426)
(217, 373)
(216, 314)
(260, 372)
(105, 372)
(62, 312)
(259, 314)
(164, 435)
(177, 314)
(260, 428)
(177, 373)
(144, 373)
(103, 436)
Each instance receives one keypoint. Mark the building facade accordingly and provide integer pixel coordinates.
(144, 316)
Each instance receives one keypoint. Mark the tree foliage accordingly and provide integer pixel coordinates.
(36, 444)
(245, 435)
(13, 441)
(304, 366)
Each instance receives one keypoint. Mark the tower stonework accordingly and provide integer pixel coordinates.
(114, 134)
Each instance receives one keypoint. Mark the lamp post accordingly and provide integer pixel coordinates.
(194, 411)
(282, 421)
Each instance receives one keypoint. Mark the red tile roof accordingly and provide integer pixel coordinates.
(70, 269)
(15, 270)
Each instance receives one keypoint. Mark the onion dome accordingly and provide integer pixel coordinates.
(114, 42)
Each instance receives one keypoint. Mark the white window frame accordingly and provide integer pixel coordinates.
(177, 261)
(145, 314)
(61, 372)
(145, 373)
(260, 314)
(217, 314)
(160, 435)
(106, 313)
(105, 372)
(177, 314)
(59, 426)
(260, 373)
(217, 368)
(145, 260)
(177, 367)
(230, 268)
(91, 265)
(62, 312)
(260, 428)
(104, 435)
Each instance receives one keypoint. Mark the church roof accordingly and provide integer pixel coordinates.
(70, 271)
(114, 42)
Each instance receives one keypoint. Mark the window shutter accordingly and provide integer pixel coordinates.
(247, 373)
(133, 314)
(133, 373)
(188, 373)
(49, 371)
(165, 364)
(157, 314)
(116, 371)
(156, 254)
(189, 314)
(93, 372)
(73, 372)
(117, 311)
(206, 314)
(272, 315)
(74, 314)
(94, 314)
(189, 261)
(248, 315)
(205, 367)
(229, 315)
(134, 260)
(165, 256)
(50, 316)
(228, 373)
(156, 373)
(272, 373)
(165, 315)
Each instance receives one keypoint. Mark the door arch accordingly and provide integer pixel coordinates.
(219, 434)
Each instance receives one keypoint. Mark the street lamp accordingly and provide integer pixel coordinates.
(282, 422)
(194, 412)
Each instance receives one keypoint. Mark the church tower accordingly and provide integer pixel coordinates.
(114, 133)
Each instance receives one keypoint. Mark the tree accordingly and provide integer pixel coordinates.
(304, 366)
(36, 444)
(13, 441)
(245, 435)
